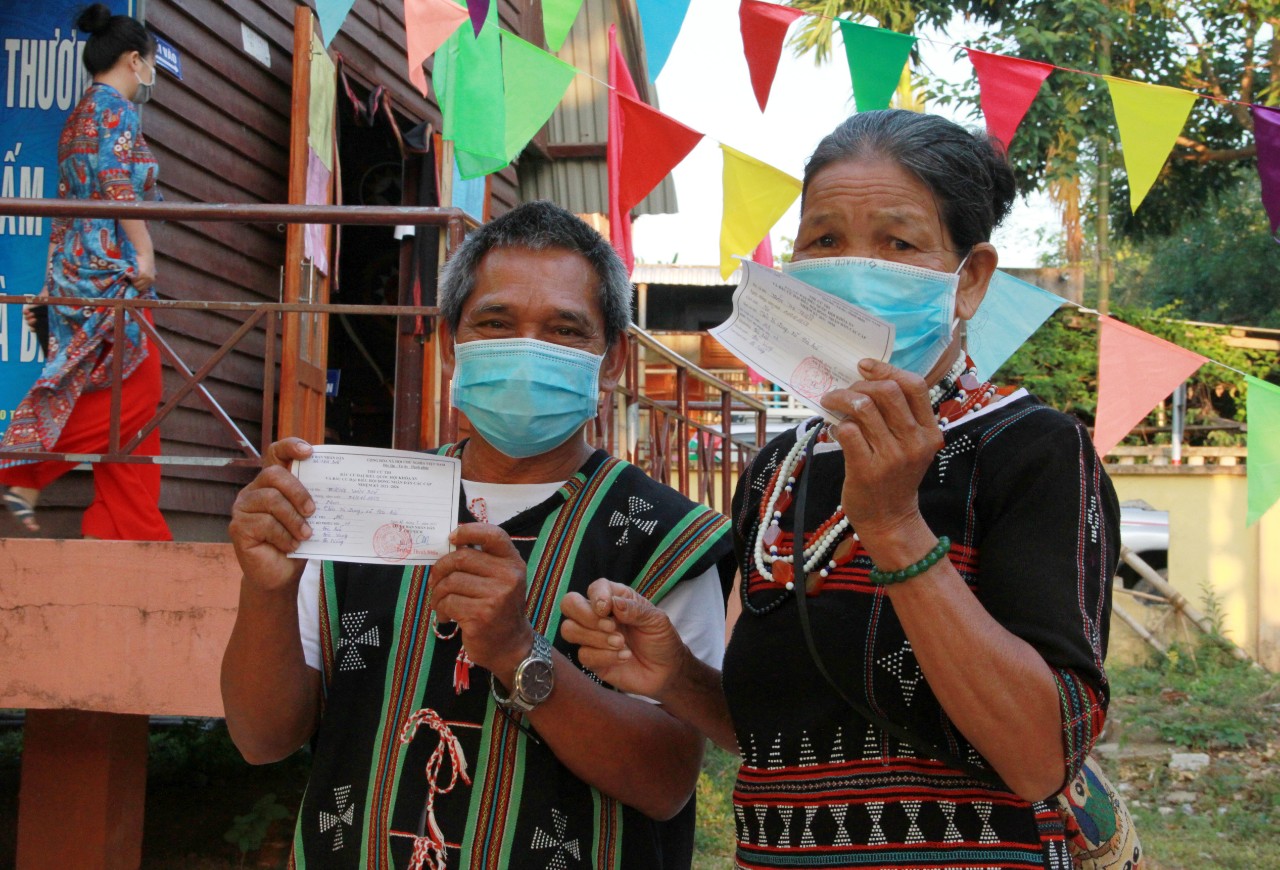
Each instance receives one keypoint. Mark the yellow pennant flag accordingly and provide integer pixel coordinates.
(1150, 117)
(756, 195)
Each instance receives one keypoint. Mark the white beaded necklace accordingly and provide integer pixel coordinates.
(813, 554)
(785, 482)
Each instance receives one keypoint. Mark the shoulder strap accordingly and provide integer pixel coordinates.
(898, 731)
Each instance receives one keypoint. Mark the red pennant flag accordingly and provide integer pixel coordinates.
(620, 84)
(764, 253)
(652, 145)
(764, 28)
(1008, 86)
(1136, 371)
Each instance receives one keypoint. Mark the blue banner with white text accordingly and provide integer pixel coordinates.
(41, 79)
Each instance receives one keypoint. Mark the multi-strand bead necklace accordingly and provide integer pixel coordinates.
(958, 394)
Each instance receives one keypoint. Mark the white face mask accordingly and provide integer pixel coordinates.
(919, 302)
(143, 93)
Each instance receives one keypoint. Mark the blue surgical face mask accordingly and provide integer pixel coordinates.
(525, 396)
(919, 302)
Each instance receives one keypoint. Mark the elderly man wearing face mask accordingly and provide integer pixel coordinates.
(456, 729)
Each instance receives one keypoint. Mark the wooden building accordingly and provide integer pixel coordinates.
(222, 134)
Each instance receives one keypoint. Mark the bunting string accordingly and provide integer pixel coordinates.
(1149, 118)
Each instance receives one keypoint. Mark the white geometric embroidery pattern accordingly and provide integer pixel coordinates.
(912, 809)
(988, 834)
(543, 840)
(348, 648)
(775, 755)
(807, 758)
(838, 811)
(635, 506)
(784, 842)
(871, 746)
(837, 746)
(953, 833)
(960, 446)
(875, 809)
(762, 813)
(909, 675)
(806, 838)
(346, 815)
(740, 821)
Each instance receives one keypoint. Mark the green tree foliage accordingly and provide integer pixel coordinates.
(1229, 49)
(1220, 266)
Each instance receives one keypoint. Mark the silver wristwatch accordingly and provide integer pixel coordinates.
(533, 681)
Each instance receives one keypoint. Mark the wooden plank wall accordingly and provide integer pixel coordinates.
(221, 135)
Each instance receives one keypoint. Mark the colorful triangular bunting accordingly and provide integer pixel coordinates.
(652, 145)
(1010, 313)
(557, 20)
(1150, 117)
(764, 29)
(1266, 133)
(478, 10)
(660, 20)
(331, 14)
(620, 85)
(756, 196)
(535, 83)
(427, 24)
(1007, 87)
(1263, 441)
(1136, 371)
(876, 58)
(468, 79)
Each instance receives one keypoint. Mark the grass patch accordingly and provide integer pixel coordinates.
(715, 837)
(1226, 815)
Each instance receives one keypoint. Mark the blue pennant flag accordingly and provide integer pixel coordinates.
(331, 14)
(660, 20)
(1010, 313)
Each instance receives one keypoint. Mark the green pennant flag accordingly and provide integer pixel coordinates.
(876, 58)
(467, 75)
(557, 19)
(1263, 440)
(535, 84)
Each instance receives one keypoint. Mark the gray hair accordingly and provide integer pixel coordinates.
(967, 172)
(538, 226)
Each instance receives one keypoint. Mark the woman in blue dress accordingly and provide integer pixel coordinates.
(102, 155)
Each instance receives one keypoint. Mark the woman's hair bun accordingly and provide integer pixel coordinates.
(94, 19)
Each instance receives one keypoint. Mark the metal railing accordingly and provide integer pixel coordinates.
(654, 435)
(658, 434)
(453, 221)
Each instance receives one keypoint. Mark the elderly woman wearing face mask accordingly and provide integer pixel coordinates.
(102, 155)
(908, 685)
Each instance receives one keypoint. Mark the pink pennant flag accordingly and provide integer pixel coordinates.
(1266, 133)
(427, 24)
(1007, 86)
(1136, 371)
(764, 29)
(764, 253)
(652, 145)
(479, 11)
(620, 85)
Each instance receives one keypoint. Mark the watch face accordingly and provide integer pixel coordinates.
(535, 681)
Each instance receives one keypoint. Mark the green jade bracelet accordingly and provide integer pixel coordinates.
(888, 578)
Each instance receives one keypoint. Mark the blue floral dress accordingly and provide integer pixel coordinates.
(101, 155)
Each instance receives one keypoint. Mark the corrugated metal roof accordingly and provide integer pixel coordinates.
(581, 184)
(675, 275)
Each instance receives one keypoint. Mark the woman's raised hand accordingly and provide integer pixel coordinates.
(623, 638)
(889, 436)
